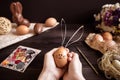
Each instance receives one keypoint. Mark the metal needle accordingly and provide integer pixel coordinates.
(87, 60)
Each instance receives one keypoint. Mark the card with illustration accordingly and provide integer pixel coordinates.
(20, 58)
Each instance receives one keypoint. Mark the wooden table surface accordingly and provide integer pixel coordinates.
(45, 42)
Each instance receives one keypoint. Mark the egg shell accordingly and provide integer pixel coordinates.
(98, 37)
(116, 64)
(22, 29)
(107, 36)
(38, 28)
(50, 22)
(60, 57)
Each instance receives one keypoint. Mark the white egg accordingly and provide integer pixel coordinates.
(98, 37)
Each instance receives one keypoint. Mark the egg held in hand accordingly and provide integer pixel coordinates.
(60, 57)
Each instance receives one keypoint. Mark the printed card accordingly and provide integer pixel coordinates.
(20, 58)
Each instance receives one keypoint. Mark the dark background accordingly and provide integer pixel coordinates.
(73, 11)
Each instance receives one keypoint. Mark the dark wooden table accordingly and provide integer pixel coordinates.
(45, 42)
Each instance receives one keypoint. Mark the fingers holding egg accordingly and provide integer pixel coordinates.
(70, 56)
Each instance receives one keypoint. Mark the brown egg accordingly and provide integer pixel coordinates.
(107, 36)
(38, 28)
(22, 29)
(50, 22)
(60, 57)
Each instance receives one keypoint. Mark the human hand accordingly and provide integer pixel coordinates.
(74, 68)
(50, 71)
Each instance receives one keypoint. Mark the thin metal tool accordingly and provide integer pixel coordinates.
(78, 38)
(64, 33)
(87, 60)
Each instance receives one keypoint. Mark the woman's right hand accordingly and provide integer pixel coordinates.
(74, 68)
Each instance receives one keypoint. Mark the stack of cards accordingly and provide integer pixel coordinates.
(20, 58)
